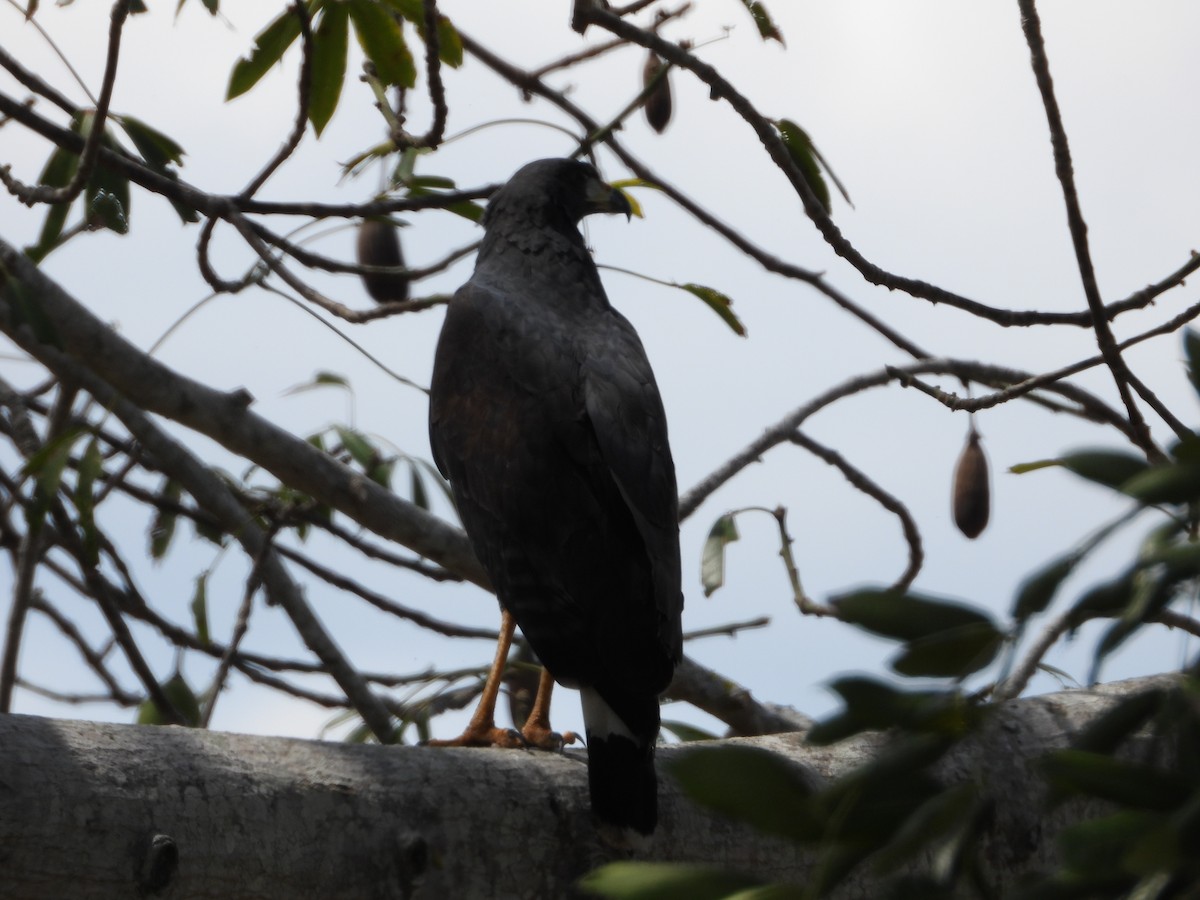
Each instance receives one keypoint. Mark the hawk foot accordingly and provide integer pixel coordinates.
(483, 736)
(543, 738)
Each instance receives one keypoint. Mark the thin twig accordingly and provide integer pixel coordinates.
(62, 57)
(94, 660)
(300, 123)
(341, 582)
(597, 50)
(781, 431)
(240, 626)
(28, 555)
(211, 493)
(730, 630)
(972, 404)
(433, 72)
(29, 195)
(859, 479)
(1031, 25)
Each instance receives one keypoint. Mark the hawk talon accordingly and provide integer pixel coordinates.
(540, 737)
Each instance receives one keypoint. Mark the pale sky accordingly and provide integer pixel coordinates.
(929, 114)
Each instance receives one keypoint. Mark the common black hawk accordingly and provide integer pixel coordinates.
(547, 421)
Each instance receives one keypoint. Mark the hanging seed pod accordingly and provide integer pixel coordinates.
(379, 245)
(658, 103)
(972, 496)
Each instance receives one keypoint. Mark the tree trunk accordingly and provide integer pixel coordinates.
(92, 810)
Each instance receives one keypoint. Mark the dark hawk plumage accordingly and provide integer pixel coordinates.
(546, 419)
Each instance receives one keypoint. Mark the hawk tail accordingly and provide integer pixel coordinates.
(621, 733)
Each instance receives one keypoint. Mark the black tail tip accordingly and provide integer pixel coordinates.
(622, 783)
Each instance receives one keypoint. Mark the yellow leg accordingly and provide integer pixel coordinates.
(537, 731)
(481, 731)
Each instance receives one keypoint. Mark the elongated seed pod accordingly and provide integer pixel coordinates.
(379, 245)
(972, 494)
(658, 104)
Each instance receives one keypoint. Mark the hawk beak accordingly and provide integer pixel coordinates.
(607, 199)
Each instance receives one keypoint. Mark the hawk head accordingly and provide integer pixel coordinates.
(558, 190)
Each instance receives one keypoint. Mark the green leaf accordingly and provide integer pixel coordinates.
(199, 607)
(904, 763)
(187, 214)
(1111, 468)
(269, 46)
(1129, 784)
(450, 49)
(328, 64)
(156, 148)
(945, 815)
(1180, 561)
(952, 653)
(360, 449)
(90, 467)
(712, 559)
(321, 379)
(412, 10)
(800, 148)
(468, 209)
(46, 466)
(762, 21)
(106, 200)
(60, 168)
(211, 533)
(754, 786)
(904, 616)
(1191, 347)
(1173, 483)
(432, 473)
(420, 497)
(182, 698)
(381, 472)
(382, 40)
(1187, 448)
(1106, 599)
(1109, 730)
(1096, 847)
(873, 705)
(687, 733)
(1151, 592)
(27, 309)
(162, 526)
(434, 182)
(868, 806)
(1036, 591)
(718, 303)
(664, 881)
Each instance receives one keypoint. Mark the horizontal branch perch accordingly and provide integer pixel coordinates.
(92, 810)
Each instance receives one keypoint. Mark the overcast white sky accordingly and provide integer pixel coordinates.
(929, 114)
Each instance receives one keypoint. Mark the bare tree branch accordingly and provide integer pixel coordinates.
(1032, 27)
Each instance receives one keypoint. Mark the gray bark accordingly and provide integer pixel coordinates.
(114, 811)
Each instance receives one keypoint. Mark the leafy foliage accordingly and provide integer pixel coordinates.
(898, 808)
